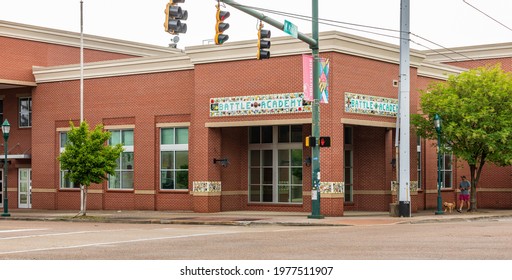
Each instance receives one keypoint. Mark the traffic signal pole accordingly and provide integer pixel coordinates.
(314, 46)
(315, 127)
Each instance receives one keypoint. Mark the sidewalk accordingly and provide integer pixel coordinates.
(246, 218)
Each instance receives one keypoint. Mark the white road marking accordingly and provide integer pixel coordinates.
(20, 230)
(56, 234)
(112, 243)
(140, 240)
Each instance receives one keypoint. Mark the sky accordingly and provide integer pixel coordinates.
(434, 23)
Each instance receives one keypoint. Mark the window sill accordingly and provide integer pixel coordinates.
(276, 204)
(121, 190)
(69, 190)
(174, 191)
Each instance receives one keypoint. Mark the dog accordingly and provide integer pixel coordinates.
(449, 206)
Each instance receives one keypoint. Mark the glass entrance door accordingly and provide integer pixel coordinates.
(25, 188)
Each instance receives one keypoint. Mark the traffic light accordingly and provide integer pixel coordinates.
(221, 26)
(263, 45)
(310, 141)
(324, 141)
(173, 17)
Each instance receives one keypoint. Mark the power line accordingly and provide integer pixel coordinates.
(339, 24)
(487, 15)
(439, 53)
(434, 43)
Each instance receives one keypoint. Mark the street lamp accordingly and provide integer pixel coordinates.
(6, 128)
(437, 125)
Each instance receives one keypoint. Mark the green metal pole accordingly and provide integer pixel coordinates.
(315, 163)
(6, 200)
(279, 25)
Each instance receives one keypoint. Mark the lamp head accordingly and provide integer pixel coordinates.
(6, 128)
(437, 123)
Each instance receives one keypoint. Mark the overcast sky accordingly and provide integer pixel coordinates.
(448, 23)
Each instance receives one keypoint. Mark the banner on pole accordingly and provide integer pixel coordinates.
(324, 80)
(307, 76)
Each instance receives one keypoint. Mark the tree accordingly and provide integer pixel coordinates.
(476, 112)
(88, 159)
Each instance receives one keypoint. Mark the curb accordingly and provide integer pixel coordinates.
(241, 222)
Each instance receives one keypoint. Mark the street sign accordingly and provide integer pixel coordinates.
(291, 29)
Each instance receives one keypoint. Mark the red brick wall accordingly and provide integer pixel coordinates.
(19, 141)
(19, 138)
(184, 96)
(18, 56)
(138, 100)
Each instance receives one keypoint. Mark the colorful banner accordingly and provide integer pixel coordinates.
(324, 80)
(370, 105)
(259, 104)
(307, 77)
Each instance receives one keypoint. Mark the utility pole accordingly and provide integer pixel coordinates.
(82, 187)
(404, 195)
(314, 46)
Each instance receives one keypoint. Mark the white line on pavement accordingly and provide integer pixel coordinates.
(57, 234)
(20, 230)
(112, 243)
(139, 240)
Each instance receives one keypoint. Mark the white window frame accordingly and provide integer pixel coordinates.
(348, 147)
(444, 170)
(62, 179)
(126, 149)
(419, 167)
(20, 113)
(173, 148)
(1, 188)
(275, 147)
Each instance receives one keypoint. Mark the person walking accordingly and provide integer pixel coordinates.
(464, 188)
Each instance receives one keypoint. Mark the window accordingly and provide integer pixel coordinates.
(348, 164)
(418, 150)
(174, 158)
(25, 112)
(275, 164)
(1, 110)
(446, 171)
(64, 183)
(1, 187)
(123, 178)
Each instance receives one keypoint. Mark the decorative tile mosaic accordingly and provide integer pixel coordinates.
(207, 186)
(284, 103)
(413, 186)
(370, 105)
(332, 187)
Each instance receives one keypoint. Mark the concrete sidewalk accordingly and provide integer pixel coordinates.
(246, 218)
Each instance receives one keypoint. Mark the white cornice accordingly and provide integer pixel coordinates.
(470, 53)
(331, 41)
(66, 38)
(5, 83)
(438, 71)
(113, 68)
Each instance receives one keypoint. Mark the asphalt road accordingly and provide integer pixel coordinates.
(37, 240)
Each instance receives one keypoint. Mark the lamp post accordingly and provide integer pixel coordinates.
(6, 127)
(437, 124)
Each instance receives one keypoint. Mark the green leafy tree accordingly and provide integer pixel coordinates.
(476, 112)
(88, 159)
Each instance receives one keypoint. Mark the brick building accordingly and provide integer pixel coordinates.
(210, 128)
